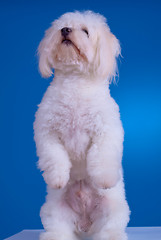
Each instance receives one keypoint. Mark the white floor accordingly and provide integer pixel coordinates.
(134, 233)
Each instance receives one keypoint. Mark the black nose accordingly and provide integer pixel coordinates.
(65, 31)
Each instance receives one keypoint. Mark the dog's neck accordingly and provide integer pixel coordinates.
(83, 85)
(78, 78)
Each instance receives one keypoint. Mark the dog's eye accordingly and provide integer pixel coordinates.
(85, 30)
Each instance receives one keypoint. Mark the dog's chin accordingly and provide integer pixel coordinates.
(69, 54)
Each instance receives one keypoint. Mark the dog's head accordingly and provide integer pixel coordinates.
(80, 42)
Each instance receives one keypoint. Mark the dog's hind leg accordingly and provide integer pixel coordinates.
(57, 218)
(117, 218)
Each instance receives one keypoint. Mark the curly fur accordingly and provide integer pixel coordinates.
(78, 132)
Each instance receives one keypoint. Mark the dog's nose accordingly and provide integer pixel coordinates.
(65, 31)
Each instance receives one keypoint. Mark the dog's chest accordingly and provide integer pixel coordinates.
(74, 125)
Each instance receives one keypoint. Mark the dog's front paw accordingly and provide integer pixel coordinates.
(60, 181)
(55, 179)
(106, 178)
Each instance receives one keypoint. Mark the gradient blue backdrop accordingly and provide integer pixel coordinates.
(138, 26)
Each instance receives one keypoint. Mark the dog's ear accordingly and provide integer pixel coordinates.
(108, 49)
(45, 53)
(116, 53)
(115, 45)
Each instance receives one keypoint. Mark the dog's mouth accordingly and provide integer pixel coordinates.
(67, 41)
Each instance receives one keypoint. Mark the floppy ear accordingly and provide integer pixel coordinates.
(108, 49)
(116, 52)
(45, 53)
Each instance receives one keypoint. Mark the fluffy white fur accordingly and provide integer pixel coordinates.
(78, 132)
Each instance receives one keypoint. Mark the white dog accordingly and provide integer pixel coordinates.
(78, 132)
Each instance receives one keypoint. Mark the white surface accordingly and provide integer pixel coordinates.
(134, 233)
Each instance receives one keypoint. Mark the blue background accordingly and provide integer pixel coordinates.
(137, 24)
